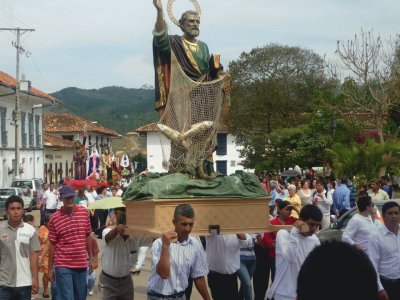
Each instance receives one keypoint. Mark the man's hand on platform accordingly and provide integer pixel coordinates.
(168, 237)
(241, 236)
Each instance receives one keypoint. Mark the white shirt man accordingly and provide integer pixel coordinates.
(118, 258)
(323, 200)
(291, 251)
(384, 252)
(51, 198)
(174, 263)
(360, 226)
(91, 195)
(223, 259)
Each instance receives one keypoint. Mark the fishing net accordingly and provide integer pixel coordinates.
(190, 120)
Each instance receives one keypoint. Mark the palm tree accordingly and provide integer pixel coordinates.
(364, 161)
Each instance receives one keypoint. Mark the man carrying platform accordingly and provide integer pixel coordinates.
(173, 263)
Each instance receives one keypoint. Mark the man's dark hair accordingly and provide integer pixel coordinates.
(12, 199)
(310, 211)
(363, 202)
(384, 178)
(184, 210)
(283, 204)
(321, 181)
(101, 189)
(344, 179)
(122, 209)
(121, 218)
(28, 218)
(339, 260)
(389, 205)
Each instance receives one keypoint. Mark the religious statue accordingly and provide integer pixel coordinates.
(189, 91)
(106, 164)
(94, 163)
(79, 157)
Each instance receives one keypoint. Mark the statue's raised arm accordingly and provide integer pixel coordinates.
(160, 22)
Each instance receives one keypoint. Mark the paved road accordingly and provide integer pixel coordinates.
(140, 281)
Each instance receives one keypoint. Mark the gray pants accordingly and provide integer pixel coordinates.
(115, 289)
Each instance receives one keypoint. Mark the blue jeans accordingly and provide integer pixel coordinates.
(91, 280)
(71, 284)
(245, 274)
(15, 293)
(54, 291)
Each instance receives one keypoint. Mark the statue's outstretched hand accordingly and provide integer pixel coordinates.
(157, 4)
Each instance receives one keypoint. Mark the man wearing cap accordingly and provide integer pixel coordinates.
(70, 247)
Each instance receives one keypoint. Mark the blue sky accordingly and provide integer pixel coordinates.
(96, 43)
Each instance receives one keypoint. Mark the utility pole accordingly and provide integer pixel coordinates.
(19, 32)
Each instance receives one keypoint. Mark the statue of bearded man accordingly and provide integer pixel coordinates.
(193, 55)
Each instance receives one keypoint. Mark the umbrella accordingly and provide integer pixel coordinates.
(290, 173)
(107, 203)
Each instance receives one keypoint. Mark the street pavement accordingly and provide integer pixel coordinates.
(139, 281)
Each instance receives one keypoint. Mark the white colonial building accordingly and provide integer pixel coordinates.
(31, 154)
(62, 130)
(226, 159)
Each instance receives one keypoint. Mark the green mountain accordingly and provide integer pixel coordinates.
(117, 108)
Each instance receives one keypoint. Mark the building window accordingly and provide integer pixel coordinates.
(221, 143)
(68, 137)
(30, 131)
(23, 132)
(37, 132)
(222, 166)
(3, 112)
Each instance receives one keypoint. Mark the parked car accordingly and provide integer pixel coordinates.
(30, 187)
(335, 231)
(7, 192)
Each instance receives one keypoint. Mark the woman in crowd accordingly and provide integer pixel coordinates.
(43, 234)
(294, 200)
(305, 192)
(81, 199)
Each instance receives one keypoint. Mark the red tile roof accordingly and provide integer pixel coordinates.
(9, 81)
(63, 122)
(53, 141)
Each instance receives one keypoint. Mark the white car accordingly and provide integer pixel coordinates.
(9, 191)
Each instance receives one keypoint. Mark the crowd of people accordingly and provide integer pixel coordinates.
(237, 266)
(64, 248)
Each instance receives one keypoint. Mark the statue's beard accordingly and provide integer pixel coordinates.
(193, 33)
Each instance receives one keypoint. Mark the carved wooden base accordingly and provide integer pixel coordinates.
(233, 215)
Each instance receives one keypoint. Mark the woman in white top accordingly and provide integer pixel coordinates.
(305, 192)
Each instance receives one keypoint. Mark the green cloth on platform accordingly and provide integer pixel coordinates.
(178, 185)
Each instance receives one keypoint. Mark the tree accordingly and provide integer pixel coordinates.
(272, 87)
(365, 160)
(371, 77)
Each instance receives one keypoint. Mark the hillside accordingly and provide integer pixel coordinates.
(117, 108)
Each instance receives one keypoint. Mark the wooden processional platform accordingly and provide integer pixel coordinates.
(230, 215)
